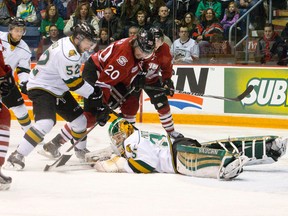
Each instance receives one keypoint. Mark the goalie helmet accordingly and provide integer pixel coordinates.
(119, 130)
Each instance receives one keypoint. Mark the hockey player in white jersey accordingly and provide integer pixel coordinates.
(56, 74)
(184, 49)
(138, 151)
(17, 54)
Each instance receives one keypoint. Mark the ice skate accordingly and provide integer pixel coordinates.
(15, 161)
(175, 135)
(80, 153)
(5, 181)
(50, 150)
(233, 169)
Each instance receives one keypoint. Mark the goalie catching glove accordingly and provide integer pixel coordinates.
(169, 86)
(114, 164)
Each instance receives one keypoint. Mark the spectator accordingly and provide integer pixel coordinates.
(43, 4)
(205, 4)
(132, 31)
(141, 21)
(27, 12)
(103, 40)
(184, 49)
(224, 4)
(208, 31)
(112, 23)
(51, 17)
(271, 48)
(164, 22)
(72, 5)
(181, 7)
(284, 33)
(129, 10)
(46, 42)
(230, 17)
(82, 14)
(98, 7)
(6, 11)
(188, 20)
(244, 6)
(152, 8)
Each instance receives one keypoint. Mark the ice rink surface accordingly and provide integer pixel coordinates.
(259, 190)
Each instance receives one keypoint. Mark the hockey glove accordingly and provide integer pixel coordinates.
(168, 84)
(102, 115)
(139, 82)
(6, 82)
(23, 87)
(94, 100)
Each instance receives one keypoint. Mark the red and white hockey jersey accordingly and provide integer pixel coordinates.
(117, 64)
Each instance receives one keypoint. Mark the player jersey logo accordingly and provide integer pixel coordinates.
(128, 148)
(122, 60)
(72, 53)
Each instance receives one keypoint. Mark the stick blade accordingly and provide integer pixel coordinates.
(245, 93)
(60, 162)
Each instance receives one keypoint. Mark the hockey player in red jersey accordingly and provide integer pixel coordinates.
(115, 66)
(159, 64)
(6, 84)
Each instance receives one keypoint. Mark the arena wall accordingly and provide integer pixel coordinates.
(266, 106)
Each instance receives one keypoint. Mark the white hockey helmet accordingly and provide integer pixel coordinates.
(119, 130)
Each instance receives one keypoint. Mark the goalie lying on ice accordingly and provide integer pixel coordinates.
(136, 151)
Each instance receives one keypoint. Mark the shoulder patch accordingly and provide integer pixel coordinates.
(122, 60)
(72, 53)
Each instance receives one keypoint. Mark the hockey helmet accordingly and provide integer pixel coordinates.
(16, 22)
(146, 41)
(158, 33)
(85, 30)
(119, 130)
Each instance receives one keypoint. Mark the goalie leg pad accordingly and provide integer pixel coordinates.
(199, 161)
(208, 162)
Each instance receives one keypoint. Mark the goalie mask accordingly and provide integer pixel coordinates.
(119, 130)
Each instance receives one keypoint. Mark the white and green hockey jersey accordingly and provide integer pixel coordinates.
(58, 70)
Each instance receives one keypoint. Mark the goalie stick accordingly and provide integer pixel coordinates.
(240, 97)
(61, 161)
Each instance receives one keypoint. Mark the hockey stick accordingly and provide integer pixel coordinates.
(240, 97)
(65, 157)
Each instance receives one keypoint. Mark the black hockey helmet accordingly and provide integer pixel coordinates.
(145, 40)
(16, 22)
(158, 33)
(85, 30)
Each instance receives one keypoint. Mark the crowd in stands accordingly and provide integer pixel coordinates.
(194, 28)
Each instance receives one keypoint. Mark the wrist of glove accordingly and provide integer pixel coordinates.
(23, 87)
(95, 99)
(168, 84)
(102, 115)
(139, 82)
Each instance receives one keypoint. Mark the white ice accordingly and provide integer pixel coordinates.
(259, 190)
